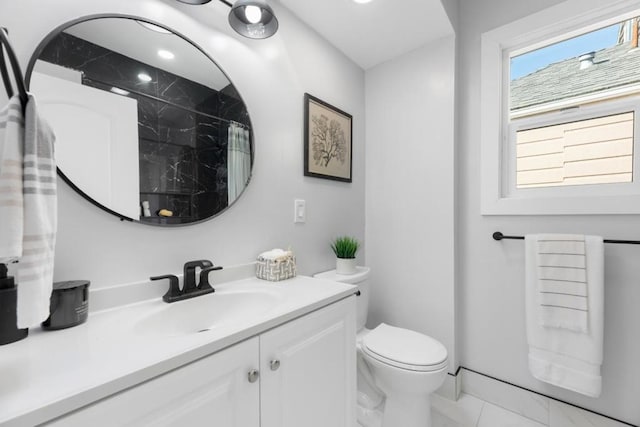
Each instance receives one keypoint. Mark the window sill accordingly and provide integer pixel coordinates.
(580, 205)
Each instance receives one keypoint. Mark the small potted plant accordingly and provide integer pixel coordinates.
(345, 248)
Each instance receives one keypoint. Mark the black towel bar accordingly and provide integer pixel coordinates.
(499, 236)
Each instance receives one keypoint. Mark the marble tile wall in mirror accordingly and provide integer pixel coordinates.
(182, 128)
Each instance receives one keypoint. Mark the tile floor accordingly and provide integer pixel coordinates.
(541, 410)
(469, 411)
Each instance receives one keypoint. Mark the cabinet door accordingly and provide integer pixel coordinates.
(214, 391)
(308, 370)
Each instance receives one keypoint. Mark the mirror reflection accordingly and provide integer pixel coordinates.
(147, 126)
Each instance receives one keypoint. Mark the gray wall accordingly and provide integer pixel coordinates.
(491, 274)
(272, 76)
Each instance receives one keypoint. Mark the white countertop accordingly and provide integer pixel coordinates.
(54, 372)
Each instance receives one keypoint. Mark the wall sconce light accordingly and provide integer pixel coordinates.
(194, 1)
(253, 19)
(250, 18)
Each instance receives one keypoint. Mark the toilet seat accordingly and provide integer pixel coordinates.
(404, 349)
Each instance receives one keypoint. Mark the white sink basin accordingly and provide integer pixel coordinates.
(208, 312)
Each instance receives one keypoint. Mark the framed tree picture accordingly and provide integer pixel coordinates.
(328, 136)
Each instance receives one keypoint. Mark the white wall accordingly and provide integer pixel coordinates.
(409, 191)
(272, 76)
(491, 274)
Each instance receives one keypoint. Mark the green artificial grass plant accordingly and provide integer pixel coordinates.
(345, 247)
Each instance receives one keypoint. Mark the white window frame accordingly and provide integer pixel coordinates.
(499, 195)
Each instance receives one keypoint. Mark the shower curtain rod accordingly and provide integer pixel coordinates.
(499, 236)
(173, 104)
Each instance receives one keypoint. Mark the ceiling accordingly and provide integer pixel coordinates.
(368, 34)
(374, 32)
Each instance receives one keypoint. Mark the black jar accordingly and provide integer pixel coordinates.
(69, 304)
(9, 332)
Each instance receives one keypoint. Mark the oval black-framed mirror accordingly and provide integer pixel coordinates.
(148, 126)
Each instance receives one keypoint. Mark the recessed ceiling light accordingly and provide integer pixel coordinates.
(144, 77)
(119, 91)
(165, 54)
(362, 1)
(153, 27)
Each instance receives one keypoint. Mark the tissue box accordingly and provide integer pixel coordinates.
(276, 270)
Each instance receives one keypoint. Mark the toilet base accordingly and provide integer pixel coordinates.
(369, 417)
(405, 413)
(407, 410)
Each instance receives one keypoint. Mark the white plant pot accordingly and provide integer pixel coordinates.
(346, 266)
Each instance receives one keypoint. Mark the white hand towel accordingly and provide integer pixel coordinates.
(561, 262)
(11, 199)
(31, 220)
(563, 357)
(35, 270)
(277, 255)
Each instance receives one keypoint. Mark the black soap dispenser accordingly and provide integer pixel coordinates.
(9, 332)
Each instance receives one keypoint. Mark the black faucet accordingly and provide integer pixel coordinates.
(174, 293)
(204, 278)
(190, 288)
(189, 274)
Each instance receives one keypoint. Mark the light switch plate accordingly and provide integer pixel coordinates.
(299, 211)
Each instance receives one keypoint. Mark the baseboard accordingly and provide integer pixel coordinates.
(530, 404)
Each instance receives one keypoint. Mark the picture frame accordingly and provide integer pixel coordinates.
(328, 141)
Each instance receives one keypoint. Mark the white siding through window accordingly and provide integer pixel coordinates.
(593, 151)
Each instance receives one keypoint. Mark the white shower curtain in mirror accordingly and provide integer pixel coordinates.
(238, 160)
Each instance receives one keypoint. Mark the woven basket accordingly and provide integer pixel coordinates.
(275, 271)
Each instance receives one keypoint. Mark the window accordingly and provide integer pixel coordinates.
(560, 97)
(595, 69)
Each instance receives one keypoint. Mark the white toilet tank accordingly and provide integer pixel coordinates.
(361, 279)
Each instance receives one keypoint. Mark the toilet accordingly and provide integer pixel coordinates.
(398, 369)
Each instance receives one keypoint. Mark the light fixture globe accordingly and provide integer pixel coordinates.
(253, 19)
(194, 1)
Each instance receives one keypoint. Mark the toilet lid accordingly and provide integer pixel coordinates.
(405, 349)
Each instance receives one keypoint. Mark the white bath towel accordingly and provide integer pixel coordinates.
(563, 357)
(28, 167)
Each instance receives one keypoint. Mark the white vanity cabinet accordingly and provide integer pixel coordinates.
(306, 378)
(308, 370)
(213, 391)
